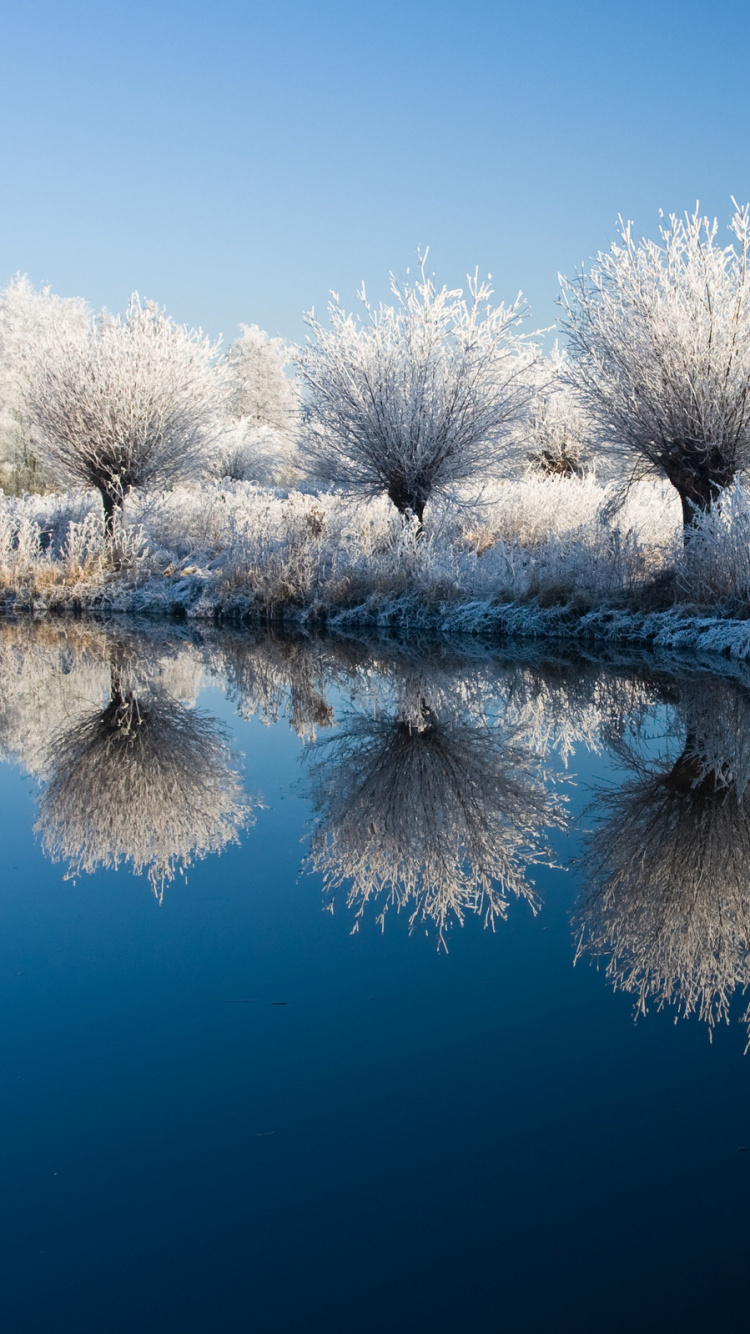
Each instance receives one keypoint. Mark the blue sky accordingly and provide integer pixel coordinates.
(236, 161)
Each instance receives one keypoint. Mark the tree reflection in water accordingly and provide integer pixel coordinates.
(439, 816)
(667, 866)
(144, 781)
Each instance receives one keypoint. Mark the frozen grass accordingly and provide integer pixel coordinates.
(535, 556)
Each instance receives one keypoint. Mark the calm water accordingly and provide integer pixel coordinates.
(293, 1035)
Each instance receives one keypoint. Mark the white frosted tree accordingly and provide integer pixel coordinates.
(31, 322)
(259, 389)
(415, 397)
(135, 402)
(660, 343)
(263, 406)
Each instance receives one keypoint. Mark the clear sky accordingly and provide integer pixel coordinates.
(235, 160)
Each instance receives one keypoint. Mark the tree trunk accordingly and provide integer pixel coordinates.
(684, 775)
(406, 502)
(698, 489)
(110, 503)
(687, 775)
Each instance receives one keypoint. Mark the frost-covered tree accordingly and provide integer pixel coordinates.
(31, 323)
(660, 341)
(416, 396)
(133, 402)
(263, 406)
(260, 392)
(667, 866)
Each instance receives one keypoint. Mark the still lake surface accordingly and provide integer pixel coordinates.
(294, 1037)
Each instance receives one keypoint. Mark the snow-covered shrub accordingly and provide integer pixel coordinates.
(554, 434)
(650, 509)
(90, 545)
(535, 509)
(242, 547)
(133, 402)
(244, 452)
(532, 507)
(31, 324)
(660, 343)
(278, 550)
(53, 513)
(59, 548)
(716, 561)
(414, 397)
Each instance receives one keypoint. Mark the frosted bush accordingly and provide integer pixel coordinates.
(44, 552)
(554, 435)
(534, 507)
(242, 548)
(279, 550)
(246, 452)
(716, 562)
(27, 547)
(89, 545)
(650, 509)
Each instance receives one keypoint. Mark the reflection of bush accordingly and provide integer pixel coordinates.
(144, 781)
(267, 675)
(437, 817)
(667, 899)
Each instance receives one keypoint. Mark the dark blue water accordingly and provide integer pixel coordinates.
(227, 1111)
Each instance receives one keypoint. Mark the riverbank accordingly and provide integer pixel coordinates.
(536, 559)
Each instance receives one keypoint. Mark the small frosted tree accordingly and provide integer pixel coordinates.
(131, 402)
(263, 406)
(31, 322)
(259, 390)
(417, 396)
(660, 341)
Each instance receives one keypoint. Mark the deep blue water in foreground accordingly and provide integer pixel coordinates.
(226, 1111)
